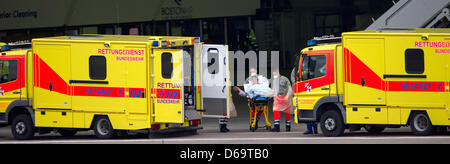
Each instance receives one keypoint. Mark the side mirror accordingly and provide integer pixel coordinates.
(296, 68)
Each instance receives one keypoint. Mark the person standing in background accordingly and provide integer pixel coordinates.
(223, 122)
(309, 128)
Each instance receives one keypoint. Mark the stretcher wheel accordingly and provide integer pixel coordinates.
(252, 129)
(268, 128)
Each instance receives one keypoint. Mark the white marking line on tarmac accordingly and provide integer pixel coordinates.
(220, 139)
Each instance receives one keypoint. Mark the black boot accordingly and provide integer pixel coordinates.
(288, 126)
(223, 128)
(223, 125)
(276, 126)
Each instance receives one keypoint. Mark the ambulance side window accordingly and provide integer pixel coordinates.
(213, 61)
(8, 71)
(97, 67)
(414, 61)
(166, 65)
(313, 67)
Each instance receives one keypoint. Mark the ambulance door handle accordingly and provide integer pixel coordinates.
(325, 88)
(50, 86)
(363, 82)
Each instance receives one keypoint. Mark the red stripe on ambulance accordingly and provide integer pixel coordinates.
(372, 80)
(47, 78)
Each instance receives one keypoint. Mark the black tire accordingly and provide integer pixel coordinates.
(332, 124)
(67, 132)
(420, 124)
(374, 129)
(22, 127)
(103, 128)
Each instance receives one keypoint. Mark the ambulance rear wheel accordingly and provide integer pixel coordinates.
(103, 128)
(22, 127)
(420, 124)
(332, 124)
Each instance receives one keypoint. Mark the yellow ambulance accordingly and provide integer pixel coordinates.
(376, 79)
(112, 84)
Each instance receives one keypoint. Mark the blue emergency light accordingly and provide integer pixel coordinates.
(311, 42)
(5, 48)
(155, 43)
(327, 39)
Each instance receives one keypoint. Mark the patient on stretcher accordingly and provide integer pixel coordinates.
(255, 90)
(258, 90)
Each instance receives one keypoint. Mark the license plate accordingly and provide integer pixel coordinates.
(173, 125)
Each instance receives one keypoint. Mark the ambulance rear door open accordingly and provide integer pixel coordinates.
(167, 85)
(215, 88)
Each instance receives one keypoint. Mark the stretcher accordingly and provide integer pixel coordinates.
(259, 106)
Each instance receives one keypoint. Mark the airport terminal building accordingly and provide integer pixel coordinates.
(277, 25)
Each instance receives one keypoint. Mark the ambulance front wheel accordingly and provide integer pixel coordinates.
(22, 127)
(332, 124)
(103, 128)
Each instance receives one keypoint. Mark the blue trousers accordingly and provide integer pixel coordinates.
(310, 126)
